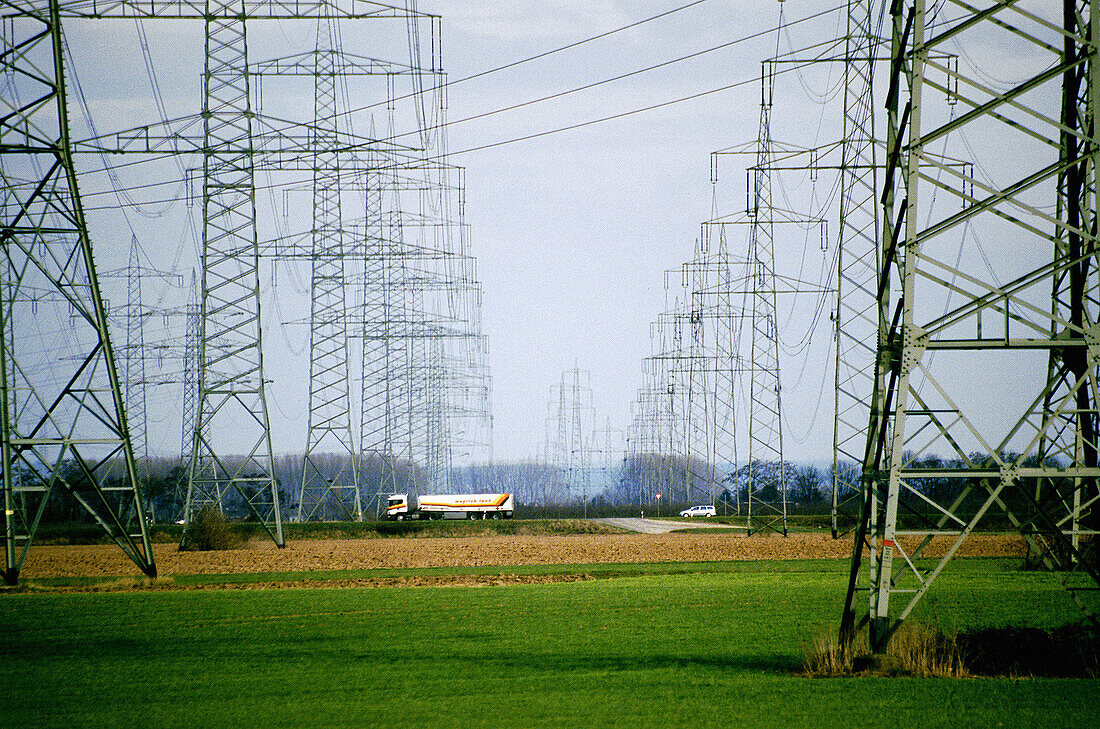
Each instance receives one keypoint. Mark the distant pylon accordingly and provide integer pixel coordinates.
(570, 431)
(330, 476)
(134, 362)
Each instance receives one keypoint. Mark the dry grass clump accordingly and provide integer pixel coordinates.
(925, 651)
(826, 656)
(914, 650)
(922, 650)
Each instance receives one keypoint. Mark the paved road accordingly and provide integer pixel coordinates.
(654, 526)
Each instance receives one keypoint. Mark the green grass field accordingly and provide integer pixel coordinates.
(713, 645)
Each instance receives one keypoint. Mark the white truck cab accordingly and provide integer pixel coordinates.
(397, 507)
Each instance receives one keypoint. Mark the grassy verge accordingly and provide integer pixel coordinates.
(717, 644)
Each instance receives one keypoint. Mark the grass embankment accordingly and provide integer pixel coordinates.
(719, 644)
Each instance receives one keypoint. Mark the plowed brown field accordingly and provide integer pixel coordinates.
(359, 554)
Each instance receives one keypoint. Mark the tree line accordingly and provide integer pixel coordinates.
(680, 481)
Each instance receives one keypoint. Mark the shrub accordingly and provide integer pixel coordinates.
(209, 530)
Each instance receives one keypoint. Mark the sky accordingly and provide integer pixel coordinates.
(594, 217)
(573, 231)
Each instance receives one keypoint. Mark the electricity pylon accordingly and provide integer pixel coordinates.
(993, 357)
(231, 439)
(62, 417)
(855, 317)
(134, 379)
(713, 366)
(767, 487)
(333, 487)
(571, 429)
(232, 391)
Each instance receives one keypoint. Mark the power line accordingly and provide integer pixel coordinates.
(585, 87)
(629, 74)
(786, 69)
(537, 56)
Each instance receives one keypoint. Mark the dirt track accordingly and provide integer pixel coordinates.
(360, 554)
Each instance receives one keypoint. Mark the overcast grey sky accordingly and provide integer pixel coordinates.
(573, 231)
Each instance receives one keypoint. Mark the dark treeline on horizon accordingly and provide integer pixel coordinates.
(535, 485)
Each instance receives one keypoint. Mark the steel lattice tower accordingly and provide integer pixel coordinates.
(62, 417)
(714, 365)
(134, 380)
(683, 433)
(857, 266)
(571, 429)
(329, 486)
(231, 411)
(231, 392)
(358, 255)
(767, 489)
(993, 358)
(381, 353)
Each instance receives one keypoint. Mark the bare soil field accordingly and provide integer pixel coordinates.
(319, 555)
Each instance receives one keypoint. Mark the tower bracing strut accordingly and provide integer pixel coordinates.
(986, 397)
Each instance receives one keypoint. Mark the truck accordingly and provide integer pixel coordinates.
(400, 507)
